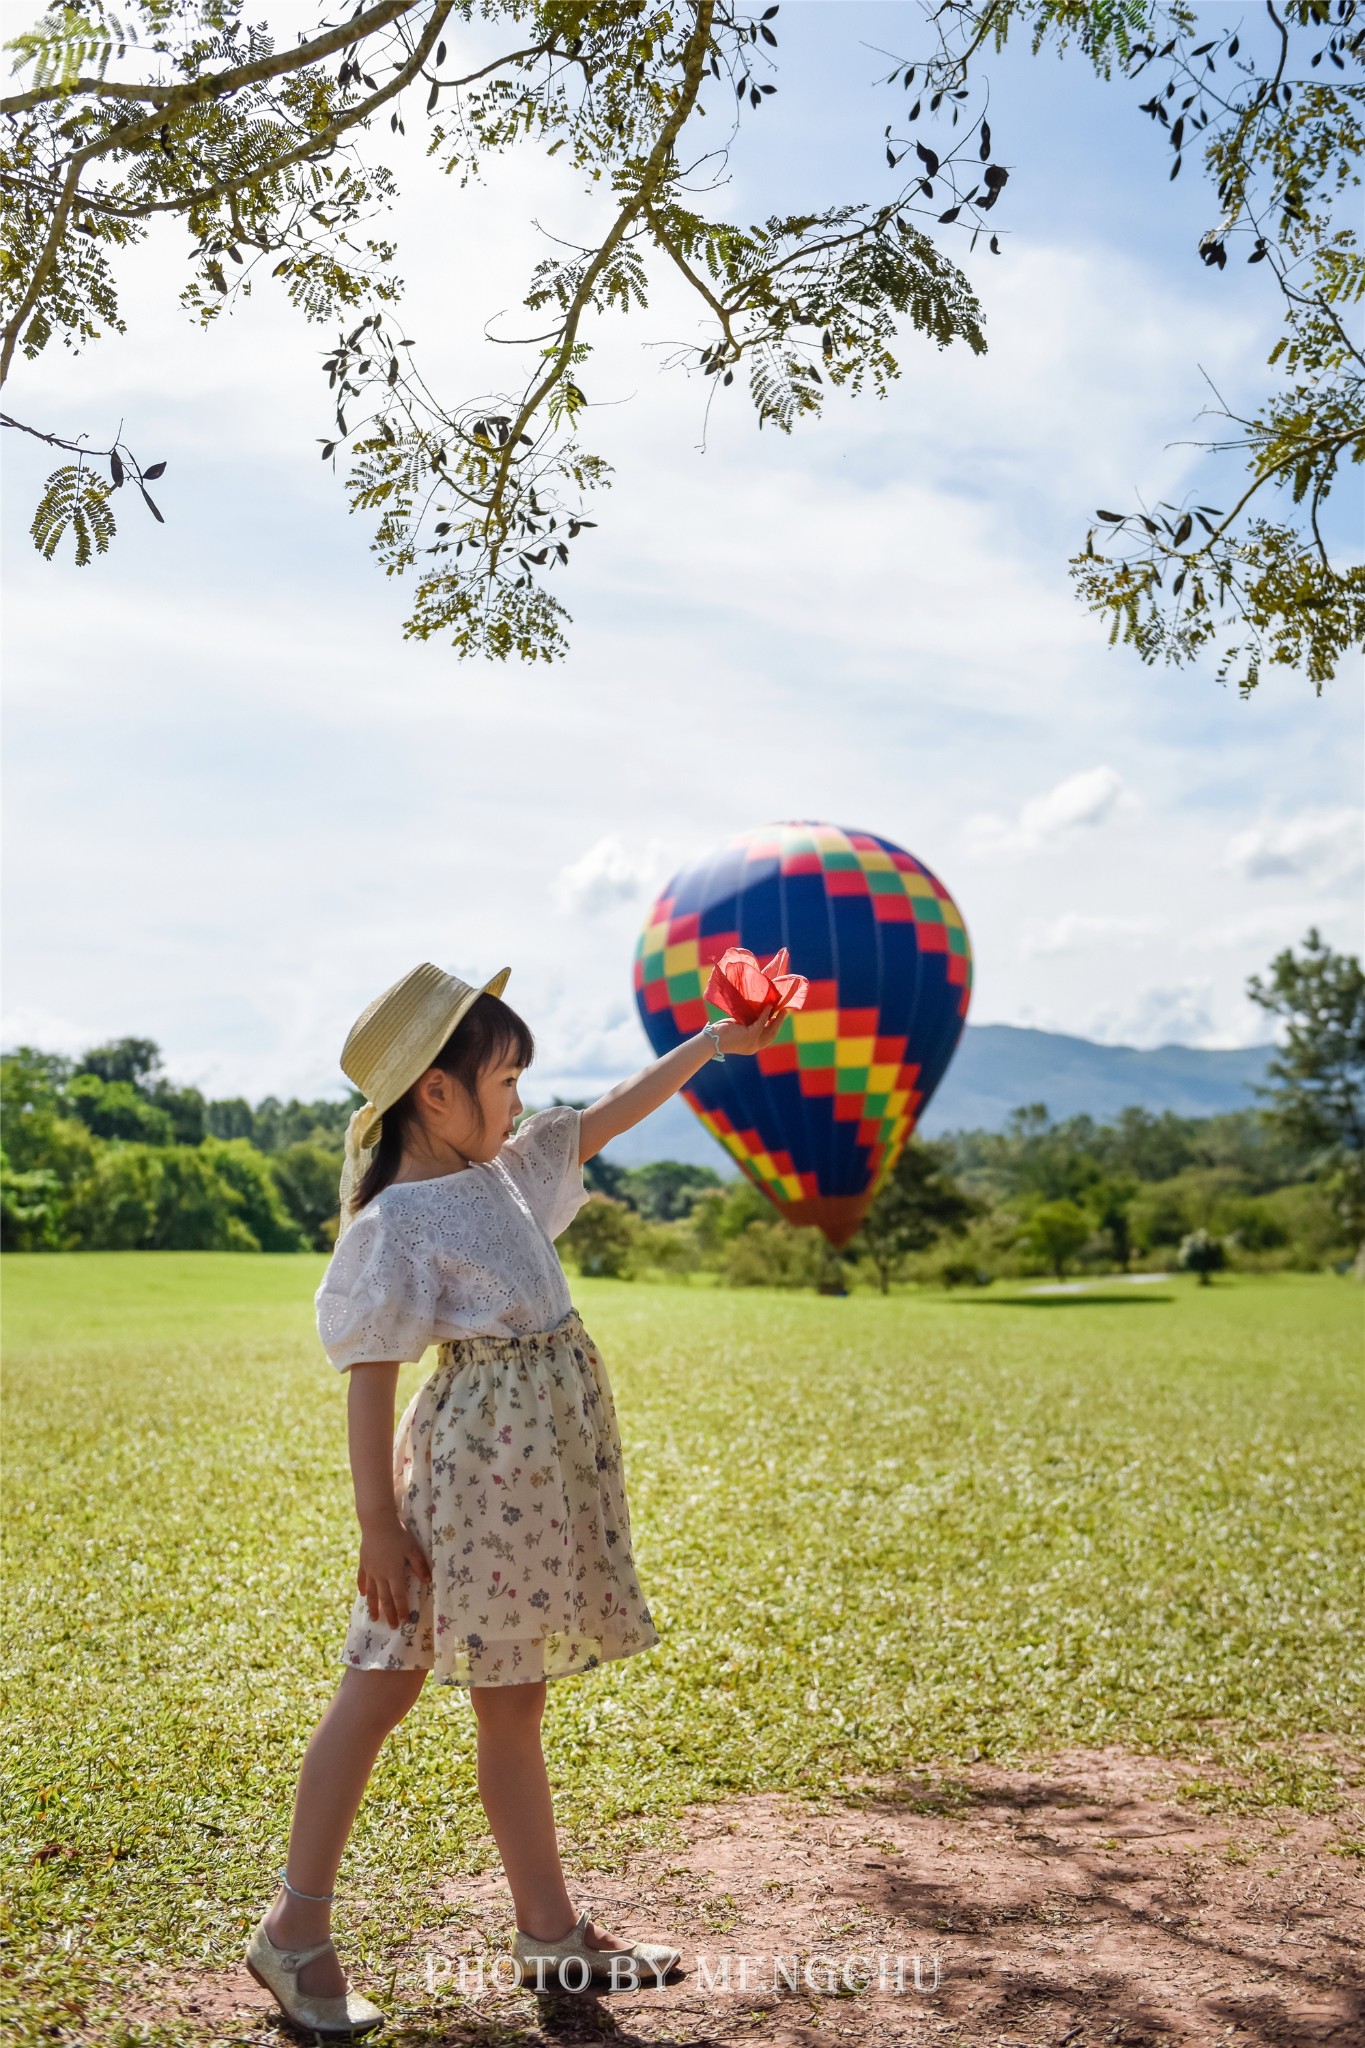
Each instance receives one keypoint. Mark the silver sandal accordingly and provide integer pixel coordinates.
(657, 1958)
(339, 2017)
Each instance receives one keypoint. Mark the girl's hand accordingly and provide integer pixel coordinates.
(389, 1554)
(749, 1037)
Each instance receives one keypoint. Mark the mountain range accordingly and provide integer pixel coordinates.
(997, 1069)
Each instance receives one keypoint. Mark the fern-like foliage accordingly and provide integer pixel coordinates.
(262, 144)
(67, 43)
(1279, 124)
(74, 498)
(261, 150)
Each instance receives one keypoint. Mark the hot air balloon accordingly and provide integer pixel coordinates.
(820, 1117)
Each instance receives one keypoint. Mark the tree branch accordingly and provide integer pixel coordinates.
(42, 269)
(53, 440)
(655, 165)
(94, 88)
(698, 283)
(220, 84)
(319, 143)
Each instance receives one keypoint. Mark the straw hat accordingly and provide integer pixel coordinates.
(396, 1039)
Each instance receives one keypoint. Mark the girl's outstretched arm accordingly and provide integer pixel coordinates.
(629, 1101)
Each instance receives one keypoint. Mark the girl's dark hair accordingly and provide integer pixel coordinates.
(489, 1032)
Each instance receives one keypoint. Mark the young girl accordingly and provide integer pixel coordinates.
(495, 1543)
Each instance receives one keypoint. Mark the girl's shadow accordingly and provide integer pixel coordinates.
(559, 2015)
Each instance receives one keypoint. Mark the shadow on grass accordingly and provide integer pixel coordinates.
(1286, 2012)
(1070, 1301)
(1096, 1947)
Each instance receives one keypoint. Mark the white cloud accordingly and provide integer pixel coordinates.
(609, 872)
(1283, 925)
(583, 1048)
(1185, 1013)
(1074, 932)
(1088, 798)
(1182, 1015)
(1084, 799)
(867, 622)
(42, 1029)
(1325, 846)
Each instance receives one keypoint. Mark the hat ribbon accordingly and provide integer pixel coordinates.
(355, 1163)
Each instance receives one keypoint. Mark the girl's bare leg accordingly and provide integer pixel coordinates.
(515, 1791)
(336, 1768)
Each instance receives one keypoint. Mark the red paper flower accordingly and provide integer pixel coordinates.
(743, 989)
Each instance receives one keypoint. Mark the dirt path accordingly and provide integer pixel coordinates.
(1077, 1904)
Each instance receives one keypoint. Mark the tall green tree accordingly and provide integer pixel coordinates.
(1057, 1231)
(41, 1132)
(666, 1189)
(273, 1124)
(130, 1072)
(118, 1109)
(919, 1204)
(131, 1062)
(1317, 1077)
(1110, 1203)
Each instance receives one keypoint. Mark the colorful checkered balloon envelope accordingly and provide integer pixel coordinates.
(820, 1117)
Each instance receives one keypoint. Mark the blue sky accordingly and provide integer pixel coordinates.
(238, 803)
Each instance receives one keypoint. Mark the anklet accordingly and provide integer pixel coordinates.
(319, 1898)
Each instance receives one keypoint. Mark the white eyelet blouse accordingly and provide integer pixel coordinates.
(468, 1254)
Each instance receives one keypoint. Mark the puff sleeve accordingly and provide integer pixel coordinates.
(379, 1295)
(543, 1159)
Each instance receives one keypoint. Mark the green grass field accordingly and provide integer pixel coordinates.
(873, 1534)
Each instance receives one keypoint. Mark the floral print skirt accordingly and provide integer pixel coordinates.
(507, 1469)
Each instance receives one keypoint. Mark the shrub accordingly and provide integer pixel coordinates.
(960, 1272)
(178, 1198)
(30, 1209)
(1199, 1253)
(44, 1143)
(1160, 1218)
(602, 1238)
(261, 1207)
(1252, 1226)
(1315, 1236)
(198, 1207)
(308, 1176)
(774, 1255)
(719, 1215)
(667, 1248)
(113, 1206)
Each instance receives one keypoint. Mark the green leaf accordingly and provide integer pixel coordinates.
(78, 500)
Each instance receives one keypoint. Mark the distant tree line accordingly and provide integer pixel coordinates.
(106, 1153)
(1282, 1185)
(1041, 1198)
